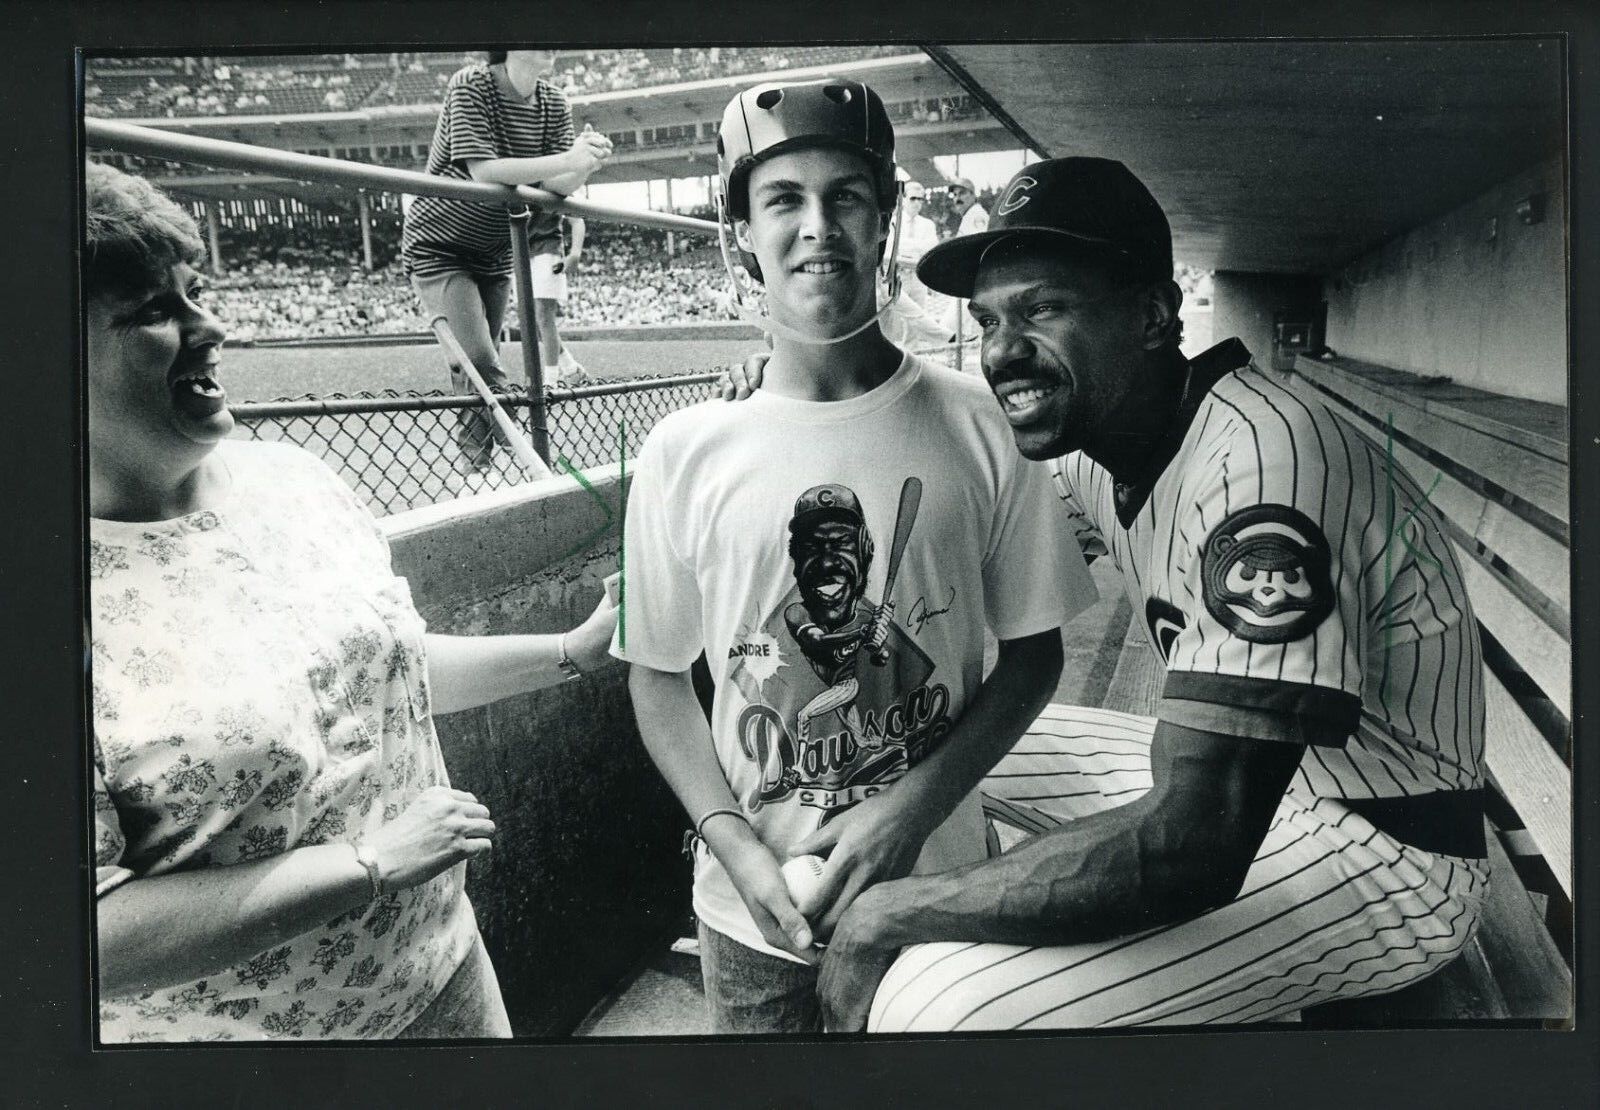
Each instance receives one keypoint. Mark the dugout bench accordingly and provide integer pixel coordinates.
(1496, 470)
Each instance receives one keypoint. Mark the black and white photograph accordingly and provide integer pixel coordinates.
(872, 541)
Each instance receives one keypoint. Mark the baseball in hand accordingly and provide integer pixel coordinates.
(803, 876)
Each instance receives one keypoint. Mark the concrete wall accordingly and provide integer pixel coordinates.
(1246, 305)
(1485, 306)
(586, 875)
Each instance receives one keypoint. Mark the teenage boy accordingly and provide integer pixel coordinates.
(838, 547)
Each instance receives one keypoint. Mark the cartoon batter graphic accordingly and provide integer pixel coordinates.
(832, 552)
(875, 713)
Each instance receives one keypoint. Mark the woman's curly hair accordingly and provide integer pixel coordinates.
(133, 233)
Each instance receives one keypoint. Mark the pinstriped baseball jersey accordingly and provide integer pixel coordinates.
(1298, 587)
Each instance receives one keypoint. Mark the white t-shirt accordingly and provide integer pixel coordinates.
(734, 505)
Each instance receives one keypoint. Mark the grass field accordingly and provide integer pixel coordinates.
(269, 373)
(403, 460)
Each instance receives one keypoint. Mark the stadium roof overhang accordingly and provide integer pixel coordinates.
(1285, 157)
(696, 104)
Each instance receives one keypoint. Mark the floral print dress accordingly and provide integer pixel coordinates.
(259, 685)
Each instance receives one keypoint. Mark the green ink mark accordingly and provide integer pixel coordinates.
(1388, 522)
(1403, 531)
(611, 517)
(622, 544)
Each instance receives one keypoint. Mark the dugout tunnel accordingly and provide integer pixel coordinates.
(1386, 219)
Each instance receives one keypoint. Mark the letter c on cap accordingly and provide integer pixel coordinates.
(1016, 196)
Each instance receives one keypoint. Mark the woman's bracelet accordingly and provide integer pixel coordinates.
(369, 864)
(700, 825)
(568, 668)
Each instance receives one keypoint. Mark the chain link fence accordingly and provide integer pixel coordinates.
(402, 450)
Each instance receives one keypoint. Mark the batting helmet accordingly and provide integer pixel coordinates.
(774, 118)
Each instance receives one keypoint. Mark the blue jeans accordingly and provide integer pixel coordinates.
(751, 992)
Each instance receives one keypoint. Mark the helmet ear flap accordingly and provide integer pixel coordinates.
(867, 546)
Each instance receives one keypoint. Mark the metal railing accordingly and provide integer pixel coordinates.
(517, 199)
(402, 450)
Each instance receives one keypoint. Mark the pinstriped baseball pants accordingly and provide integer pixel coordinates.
(1331, 908)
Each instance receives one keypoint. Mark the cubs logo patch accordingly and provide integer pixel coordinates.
(1015, 197)
(1165, 621)
(1264, 574)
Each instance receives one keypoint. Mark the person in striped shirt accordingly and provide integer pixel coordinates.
(502, 122)
(1302, 819)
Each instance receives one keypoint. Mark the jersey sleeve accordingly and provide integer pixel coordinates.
(1079, 524)
(1034, 575)
(466, 121)
(660, 623)
(1265, 636)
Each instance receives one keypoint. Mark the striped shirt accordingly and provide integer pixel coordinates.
(483, 117)
(1297, 586)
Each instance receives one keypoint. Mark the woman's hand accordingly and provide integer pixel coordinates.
(589, 645)
(439, 829)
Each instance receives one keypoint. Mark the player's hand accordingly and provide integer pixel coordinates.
(440, 828)
(853, 965)
(872, 841)
(878, 639)
(755, 875)
(589, 645)
(569, 262)
(738, 382)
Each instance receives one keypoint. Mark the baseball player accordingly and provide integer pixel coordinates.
(974, 218)
(1302, 820)
(780, 537)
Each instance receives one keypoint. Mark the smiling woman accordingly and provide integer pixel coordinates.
(278, 849)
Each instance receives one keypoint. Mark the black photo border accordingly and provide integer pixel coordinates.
(44, 953)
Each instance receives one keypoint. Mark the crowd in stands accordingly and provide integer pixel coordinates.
(297, 283)
(222, 85)
(222, 88)
(284, 282)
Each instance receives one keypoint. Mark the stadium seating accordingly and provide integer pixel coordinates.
(272, 84)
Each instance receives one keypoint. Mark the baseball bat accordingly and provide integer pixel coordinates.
(905, 519)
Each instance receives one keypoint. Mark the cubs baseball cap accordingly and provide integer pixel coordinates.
(1082, 205)
(826, 502)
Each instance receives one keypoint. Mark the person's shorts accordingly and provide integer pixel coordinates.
(549, 283)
